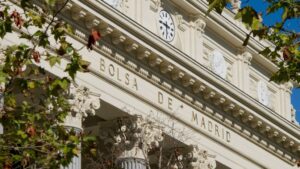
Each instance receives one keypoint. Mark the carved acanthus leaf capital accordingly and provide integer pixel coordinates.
(200, 159)
(132, 137)
(82, 102)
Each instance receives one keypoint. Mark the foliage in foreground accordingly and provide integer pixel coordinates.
(36, 102)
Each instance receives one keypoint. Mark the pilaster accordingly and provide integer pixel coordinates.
(286, 90)
(243, 70)
(199, 26)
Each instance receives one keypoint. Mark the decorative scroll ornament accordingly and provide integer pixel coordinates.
(200, 24)
(155, 4)
(247, 57)
(236, 5)
(182, 24)
(200, 159)
(132, 137)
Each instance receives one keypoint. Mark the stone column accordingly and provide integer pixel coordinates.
(82, 104)
(132, 138)
(200, 159)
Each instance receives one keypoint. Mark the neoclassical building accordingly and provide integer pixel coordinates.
(172, 88)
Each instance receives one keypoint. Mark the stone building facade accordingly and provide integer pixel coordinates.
(169, 87)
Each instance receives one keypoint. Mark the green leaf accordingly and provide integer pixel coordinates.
(53, 60)
(265, 52)
(218, 5)
(31, 84)
(285, 13)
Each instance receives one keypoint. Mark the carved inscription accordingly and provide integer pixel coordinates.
(176, 108)
(210, 126)
(115, 72)
(198, 119)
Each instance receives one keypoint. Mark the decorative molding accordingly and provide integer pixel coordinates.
(155, 5)
(200, 159)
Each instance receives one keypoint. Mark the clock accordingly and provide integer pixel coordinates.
(166, 26)
(218, 64)
(113, 3)
(263, 93)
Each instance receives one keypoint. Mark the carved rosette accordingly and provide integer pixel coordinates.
(200, 159)
(82, 104)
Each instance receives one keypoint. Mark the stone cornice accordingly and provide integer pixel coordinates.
(153, 50)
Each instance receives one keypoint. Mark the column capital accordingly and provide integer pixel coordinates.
(82, 103)
(132, 137)
(200, 159)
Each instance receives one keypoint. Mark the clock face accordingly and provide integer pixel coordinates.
(218, 64)
(263, 93)
(166, 26)
(113, 3)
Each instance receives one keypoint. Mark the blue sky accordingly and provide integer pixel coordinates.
(261, 5)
